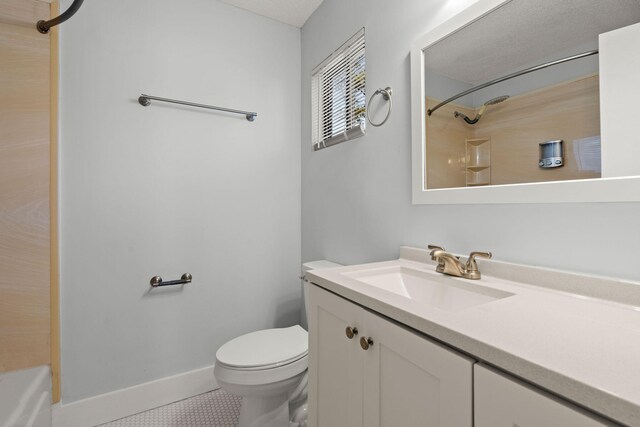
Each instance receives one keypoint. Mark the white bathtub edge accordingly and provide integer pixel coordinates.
(25, 397)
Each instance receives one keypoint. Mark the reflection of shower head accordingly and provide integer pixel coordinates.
(497, 100)
(492, 101)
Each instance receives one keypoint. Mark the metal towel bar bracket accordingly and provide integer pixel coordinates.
(145, 101)
(156, 281)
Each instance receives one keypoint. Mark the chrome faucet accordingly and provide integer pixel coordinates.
(432, 248)
(451, 264)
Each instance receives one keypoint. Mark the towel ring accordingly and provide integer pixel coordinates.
(386, 94)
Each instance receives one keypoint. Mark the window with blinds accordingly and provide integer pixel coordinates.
(338, 95)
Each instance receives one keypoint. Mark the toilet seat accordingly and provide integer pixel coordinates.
(265, 349)
(262, 367)
(263, 357)
(256, 377)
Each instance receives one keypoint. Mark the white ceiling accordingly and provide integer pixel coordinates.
(523, 31)
(292, 12)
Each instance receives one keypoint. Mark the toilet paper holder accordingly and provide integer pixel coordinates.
(156, 281)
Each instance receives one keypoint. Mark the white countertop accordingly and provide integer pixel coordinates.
(582, 348)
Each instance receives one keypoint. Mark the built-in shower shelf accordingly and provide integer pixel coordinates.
(477, 141)
(478, 161)
(478, 168)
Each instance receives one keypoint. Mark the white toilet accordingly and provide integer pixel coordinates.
(268, 369)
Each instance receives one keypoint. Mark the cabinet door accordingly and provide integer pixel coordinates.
(412, 381)
(335, 361)
(501, 401)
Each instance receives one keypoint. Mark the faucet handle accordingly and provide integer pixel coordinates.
(434, 248)
(472, 266)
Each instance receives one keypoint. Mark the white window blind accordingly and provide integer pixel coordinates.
(338, 95)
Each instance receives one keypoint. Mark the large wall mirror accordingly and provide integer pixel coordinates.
(522, 101)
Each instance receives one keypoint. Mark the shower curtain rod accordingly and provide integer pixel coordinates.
(511, 76)
(44, 26)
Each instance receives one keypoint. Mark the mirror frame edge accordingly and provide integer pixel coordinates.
(604, 190)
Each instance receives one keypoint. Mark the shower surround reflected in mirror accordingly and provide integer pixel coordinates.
(493, 135)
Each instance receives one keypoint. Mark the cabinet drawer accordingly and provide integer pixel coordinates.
(503, 401)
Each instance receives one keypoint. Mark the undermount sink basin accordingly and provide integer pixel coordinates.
(430, 289)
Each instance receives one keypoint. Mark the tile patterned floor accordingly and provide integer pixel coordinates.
(214, 409)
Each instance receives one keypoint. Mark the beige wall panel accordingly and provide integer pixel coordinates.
(23, 12)
(568, 111)
(445, 152)
(24, 186)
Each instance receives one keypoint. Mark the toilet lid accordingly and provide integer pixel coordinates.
(266, 348)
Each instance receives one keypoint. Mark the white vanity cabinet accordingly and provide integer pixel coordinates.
(401, 379)
(335, 362)
(501, 401)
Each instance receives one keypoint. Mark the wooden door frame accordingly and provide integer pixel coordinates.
(53, 207)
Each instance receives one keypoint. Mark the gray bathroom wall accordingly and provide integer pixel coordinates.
(165, 189)
(356, 196)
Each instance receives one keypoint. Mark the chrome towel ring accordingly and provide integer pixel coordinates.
(386, 94)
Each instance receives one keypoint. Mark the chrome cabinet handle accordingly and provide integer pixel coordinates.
(366, 342)
(351, 332)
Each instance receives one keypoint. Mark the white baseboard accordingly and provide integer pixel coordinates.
(132, 400)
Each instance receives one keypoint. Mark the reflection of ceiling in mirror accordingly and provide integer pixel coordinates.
(524, 30)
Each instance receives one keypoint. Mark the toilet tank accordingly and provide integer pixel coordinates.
(311, 265)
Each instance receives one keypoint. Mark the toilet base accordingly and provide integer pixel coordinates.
(268, 404)
(264, 412)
